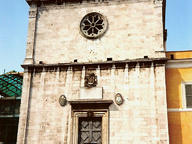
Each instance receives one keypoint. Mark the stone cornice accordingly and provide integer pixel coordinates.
(179, 63)
(142, 63)
(90, 104)
(60, 2)
(39, 2)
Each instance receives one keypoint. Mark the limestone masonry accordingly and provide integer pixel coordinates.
(128, 59)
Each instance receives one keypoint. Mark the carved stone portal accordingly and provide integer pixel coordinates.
(90, 128)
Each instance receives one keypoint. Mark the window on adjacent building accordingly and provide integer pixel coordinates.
(188, 92)
(187, 95)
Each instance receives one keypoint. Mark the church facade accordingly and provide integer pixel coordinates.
(94, 73)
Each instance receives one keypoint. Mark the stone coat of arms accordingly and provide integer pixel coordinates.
(90, 80)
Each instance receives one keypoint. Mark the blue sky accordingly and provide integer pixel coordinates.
(14, 26)
(179, 24)
(13, 34)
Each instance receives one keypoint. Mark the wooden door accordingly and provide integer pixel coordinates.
(90, 130)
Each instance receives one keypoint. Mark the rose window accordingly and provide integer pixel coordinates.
(93, 25)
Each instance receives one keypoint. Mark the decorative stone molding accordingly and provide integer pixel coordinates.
(32, 13)
(39, 2)
(158, 2)
(90, 104)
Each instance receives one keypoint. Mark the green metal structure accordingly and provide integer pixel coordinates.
(10, 99)
(11, 84)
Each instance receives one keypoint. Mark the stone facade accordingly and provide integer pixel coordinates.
(135, 30)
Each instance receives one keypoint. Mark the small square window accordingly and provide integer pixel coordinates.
(187, 94)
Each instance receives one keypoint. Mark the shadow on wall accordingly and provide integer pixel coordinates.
(174, 100)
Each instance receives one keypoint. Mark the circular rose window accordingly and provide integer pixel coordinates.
(93, 25)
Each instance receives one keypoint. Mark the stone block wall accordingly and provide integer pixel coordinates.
(135, 30)
(142, 118)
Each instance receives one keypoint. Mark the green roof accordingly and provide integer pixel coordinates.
(11, 84)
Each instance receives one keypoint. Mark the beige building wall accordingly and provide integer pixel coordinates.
(142, 118)
(135, 30)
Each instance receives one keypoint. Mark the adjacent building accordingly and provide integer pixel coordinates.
(179, 96)
(10, 99)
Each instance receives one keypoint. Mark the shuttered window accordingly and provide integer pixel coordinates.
(188, 90)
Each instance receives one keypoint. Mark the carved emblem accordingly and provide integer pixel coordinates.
(118, 99)
(91, 80)
(62, 100)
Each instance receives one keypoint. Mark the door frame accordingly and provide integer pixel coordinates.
(82, 110)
